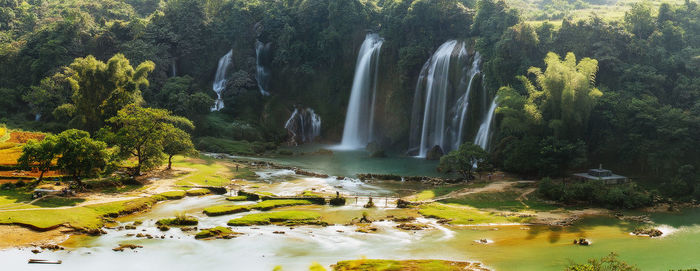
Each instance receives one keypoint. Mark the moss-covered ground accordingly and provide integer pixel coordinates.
(210, 172)
(294, 217)
(263, 205)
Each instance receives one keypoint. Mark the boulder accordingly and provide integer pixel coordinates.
(434, 153)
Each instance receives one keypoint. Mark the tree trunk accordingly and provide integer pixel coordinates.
(138, 165)
(170, 162)
(42, 174)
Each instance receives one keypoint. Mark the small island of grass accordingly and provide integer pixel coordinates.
(286, 217)
(216, 232)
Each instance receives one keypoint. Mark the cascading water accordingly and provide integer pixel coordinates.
(441, 113)
(483, 136)
(359, 120)
(303, 126)
(220, 80)
(262, 71)
(173, 68)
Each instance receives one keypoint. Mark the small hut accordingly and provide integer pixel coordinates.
(599, 174)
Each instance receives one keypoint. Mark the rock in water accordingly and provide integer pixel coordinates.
(434, 153)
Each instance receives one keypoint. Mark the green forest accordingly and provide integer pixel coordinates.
(574, 91)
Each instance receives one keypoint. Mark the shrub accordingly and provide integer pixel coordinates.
(339, 201)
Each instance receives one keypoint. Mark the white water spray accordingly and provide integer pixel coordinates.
(359, 120)
(220, 80)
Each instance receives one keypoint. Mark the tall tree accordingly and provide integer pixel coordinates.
(178, 142)
(79, 154)
(39, 154)
(101, 89)
(463, 160)
(143, 133)
(564, 94)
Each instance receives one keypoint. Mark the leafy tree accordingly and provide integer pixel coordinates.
(639, 21)
(143, 133)
(178, 142)
(101, 89)
(80, 155)
(73, 150)
(39, 154)
(463, 160)
(557, 156)
(564, 94)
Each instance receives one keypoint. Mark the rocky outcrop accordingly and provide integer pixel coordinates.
(434, 153)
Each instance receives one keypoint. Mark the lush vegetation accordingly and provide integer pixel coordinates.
(620, 90)
(610, 262)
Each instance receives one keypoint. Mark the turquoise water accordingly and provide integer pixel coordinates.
(350, 163)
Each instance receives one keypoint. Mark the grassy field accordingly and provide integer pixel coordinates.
(504, 200)
(209, 171)
(88, 217)
(533, 12)
(444, 190)
(466, 215)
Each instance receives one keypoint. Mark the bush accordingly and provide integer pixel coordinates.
(339, 201)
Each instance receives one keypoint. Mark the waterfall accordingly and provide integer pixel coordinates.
(441, 112)
(262, 71)
(173, 67)
(359, 120)
(220, 80)
(484, 134)
(303, 126)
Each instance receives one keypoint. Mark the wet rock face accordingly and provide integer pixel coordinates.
(303, 126)
(434, 153)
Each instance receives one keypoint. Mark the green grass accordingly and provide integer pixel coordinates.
(505, 200)
(226, 209)
(237, 198)
(178, 221)
(89, 217)
(214, 232)
(436, 192)
(263, 205)
(297, 217)
(173, 195)
(392, 265)
(271, 204)
(19, 198)
(210, 172)
(466, 215)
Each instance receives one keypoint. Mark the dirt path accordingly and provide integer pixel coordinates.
(16, 236)
(498, 186)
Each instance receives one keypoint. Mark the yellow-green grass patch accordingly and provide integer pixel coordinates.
(466, 215)
(296, 217)
(89, 217)
(226, 209)
(198, 192)
(263, 205)
(209, 171)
